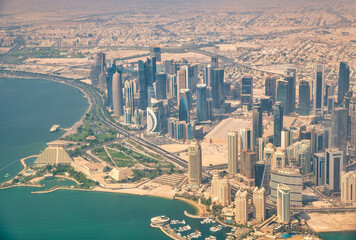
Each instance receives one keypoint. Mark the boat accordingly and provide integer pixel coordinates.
(54, 128)
(7, 175)
(210, 238)
(207, 220)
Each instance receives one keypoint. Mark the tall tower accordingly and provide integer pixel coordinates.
(241, 209)
(207, 75)
(215, 61)
(129, 95)
(194, 163)
(248, 160)
(283, 203)
(109, 74)
(161, 86)
(344, 81)
(334, 164)
(247, 91)
(202, 104)
(282, 95)
(257, 124)
(290, 77)
(155, 51)
(117, 94)
(180, 83)
(245, 138)
(259, 204)
(217, 81)
(348, 186)
(339, 128)
(319, 90)
(278, 124)
(183, 109)
(232, 149)
(225, 192)
(270, 88)
(304, 98)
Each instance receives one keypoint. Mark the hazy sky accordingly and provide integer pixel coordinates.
(125, 5)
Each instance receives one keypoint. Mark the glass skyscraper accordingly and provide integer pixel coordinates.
(344, 81)
(278, 124)
(319, 90)
(202, 104)
(282, 95)
(304, 98)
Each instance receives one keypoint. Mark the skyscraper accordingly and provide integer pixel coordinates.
(143, 82)
(214, 61)
(202, 104)
(248, 160)
(247, 91)
(217, 81)
(282, 95)
(129, 95)
(245, 138)
(348, 186)
(319, 168)
(344, 81)
(304, 98)
(278, 124)
(259, 204)
(241, 208)
(180, 83)
(334, 164)
(290, 77)
(118, 101)
(183, 110)
(339, 128)
(283, 203)
(221, 190)
(194, 163)
(270, 88)
(109, 74)
(256, 124)
(232, 149)
(161, 86)
(319, 90)
(155, 51)
(207, 75)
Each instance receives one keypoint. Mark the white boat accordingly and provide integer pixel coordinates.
(210, 238)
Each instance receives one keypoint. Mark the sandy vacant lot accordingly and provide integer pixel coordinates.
(332, 221)
(211, 154)
(60, 61)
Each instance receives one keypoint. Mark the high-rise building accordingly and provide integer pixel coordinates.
(304, 98)
(241, 208)
(290, 76)
(232, 149)
(207, 75)
(248, 160)
(319, 90)
(339, 128)
(278, 124)
(245, 138)
(247, 91)
(214, 61)
(268, 153)
(348, 186)
(109, 74)
(194, 163)
(292, 179)
(152, 120)
(286, 138)
(183, 109)
(171, 86)
(180, 83)
(146, 77)
(256, 123)
(202, 104)
(155, 51)
(279, 158)
(344, 81)
(299, 154)
(118, 101)
(319, 169)
(161, 86)
(259, 204)
(101, 59)
(283, 203)
(217, 81)
(282, 95)
(221, 190)
(129, 94)
(334, 165)
(262, 175)
(270, 88)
